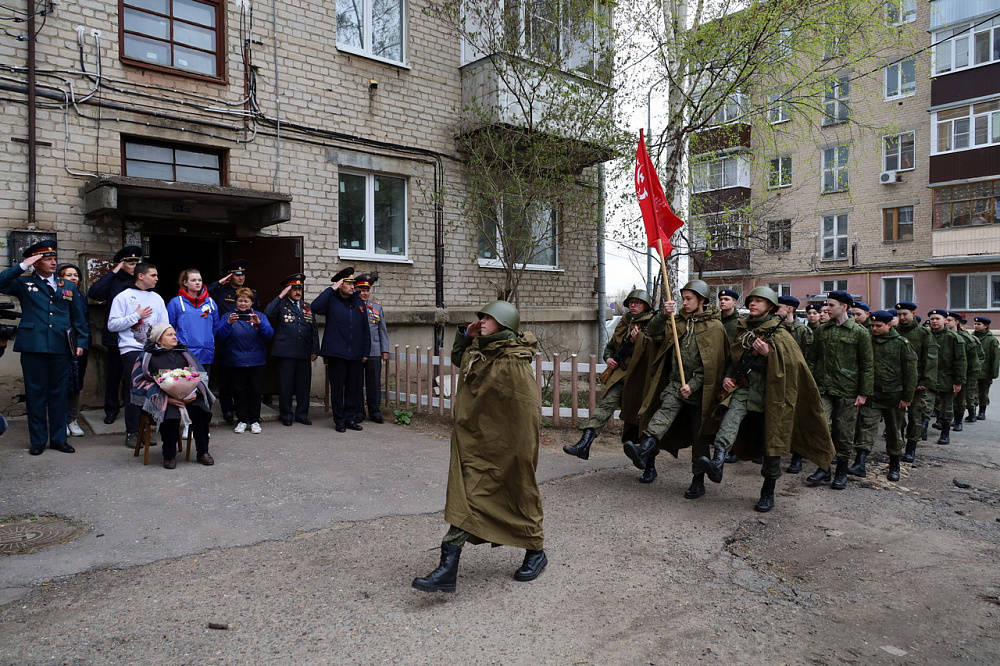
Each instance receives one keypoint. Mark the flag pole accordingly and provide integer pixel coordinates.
(673, 325)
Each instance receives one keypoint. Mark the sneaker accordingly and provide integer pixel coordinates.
(74, 429)
(240, 428)
(255, 428)
(130, 439)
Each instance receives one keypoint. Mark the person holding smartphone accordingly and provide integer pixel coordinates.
(244, 332)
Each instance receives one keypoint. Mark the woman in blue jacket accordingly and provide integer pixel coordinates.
(194, 316)
(244, 332)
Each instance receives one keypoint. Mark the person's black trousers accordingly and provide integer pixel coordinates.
(345, 389)
(294, 380)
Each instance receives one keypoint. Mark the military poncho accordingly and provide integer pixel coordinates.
(635, 374)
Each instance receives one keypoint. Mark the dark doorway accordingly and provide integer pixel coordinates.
(173, 254)
(269, 260)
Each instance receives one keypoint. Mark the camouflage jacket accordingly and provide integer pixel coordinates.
(895, 370)
(926, 348)
(952, 365)
(991, 351)
(841, 359)
(973, 355)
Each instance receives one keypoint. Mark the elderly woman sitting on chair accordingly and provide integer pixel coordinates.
(170, 398)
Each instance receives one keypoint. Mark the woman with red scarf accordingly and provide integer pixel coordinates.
(194, 315)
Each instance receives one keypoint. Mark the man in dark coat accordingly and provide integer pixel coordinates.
(53, 329)
(346, 345)
(295, 346)
(118, 279)
(379, 352)
(223, 291)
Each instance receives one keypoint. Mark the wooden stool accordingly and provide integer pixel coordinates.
(146, 429)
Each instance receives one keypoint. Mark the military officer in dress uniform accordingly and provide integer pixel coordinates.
(379, 350)
(53, 329)
(223, 291)
(296, 345)
(991, 368)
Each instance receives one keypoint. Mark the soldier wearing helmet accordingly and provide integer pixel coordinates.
(680, 412)
(628, 355)
(772, 402)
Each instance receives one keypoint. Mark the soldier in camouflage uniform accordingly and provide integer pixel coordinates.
(841, 361)
(974, 364)
(972, 397)
(952, 367)
(991, 362)
(812, 315)
(803, 334)
(861, 312)
(728, 300)
(917, 416)
(895, 383)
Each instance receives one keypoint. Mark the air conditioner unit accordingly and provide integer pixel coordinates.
(888, 177)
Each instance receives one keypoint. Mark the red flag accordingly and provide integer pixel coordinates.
(660, 221)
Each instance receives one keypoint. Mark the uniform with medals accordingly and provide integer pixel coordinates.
(296, 344)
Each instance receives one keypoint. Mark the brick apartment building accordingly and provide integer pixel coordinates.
(297, 135)
(908, 212)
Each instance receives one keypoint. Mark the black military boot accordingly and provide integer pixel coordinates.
(766, 501)
(858, 468)
(956, 425)
(840, 475)
(649, 474)
(971, 418)
(531, 568)
(924, 423)
(820, 477)
(582, 448)
(795, 466)
(713, 468)
(638, 454)
(443, 578)
(893, 474)
(732, 458)
(697, 487)
(945, 438)
(982, 414)
(911, 451)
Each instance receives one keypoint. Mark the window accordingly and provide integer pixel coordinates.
(782, 44)
(901, 79)
(896, 289)
(897, 223)
(966, 127)
(715, 174)
(966, 46)
(834, 236)
(714, 289)
(834, 285)
(178, 34)
(731, 109)
(777, 109)
(898, 12)
(835, 96)
(719, 231)
(969, 204)
(974, 291)
(779, 235)
(372, 216)
(528, 236)
(835, 169)
(163, 161)
(897, 152)
(780, 173)
(780, 288)
(374, 28)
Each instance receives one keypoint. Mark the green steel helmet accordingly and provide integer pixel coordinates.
(505, 313)
(640, 295)
(763, 292)
(699, 287)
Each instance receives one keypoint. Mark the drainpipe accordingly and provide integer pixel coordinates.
(602, 298)
(32, 138)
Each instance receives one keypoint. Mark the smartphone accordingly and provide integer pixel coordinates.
(243, 316)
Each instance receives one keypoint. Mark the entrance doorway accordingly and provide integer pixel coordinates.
(172, 254)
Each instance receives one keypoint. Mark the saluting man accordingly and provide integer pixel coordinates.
(296, 345)
(53, 329)
(379, 349)
(223, 291)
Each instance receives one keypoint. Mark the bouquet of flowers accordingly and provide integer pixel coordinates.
(178, 383)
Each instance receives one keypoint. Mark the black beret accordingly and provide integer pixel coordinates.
(957, 316)
(906, 305)
(943, 313)
(347, 274)
(729, 292)
(861, 305)
(982, 320)
(128, 253)
(788, 300)
(813, 306)
(44, 248)
(883, 316)
(842, 296)
(238, 267)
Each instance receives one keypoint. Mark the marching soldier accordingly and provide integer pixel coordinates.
(841, 361)
(973, 360)
(628, 355)
(53, 329)
(812, 315)
(861, 312)
(295, 347)
(895, 384)
(952, 368)
(728, 300)
(771, 391)
(787, 305)
(379, 349)
(991, 362)
(223, 291)
(917, 415)
(684, 414)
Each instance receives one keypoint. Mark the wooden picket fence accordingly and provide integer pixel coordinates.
(418, 377)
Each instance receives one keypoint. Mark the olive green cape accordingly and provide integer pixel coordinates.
(636, 375)
(492, 491)
(793, 412)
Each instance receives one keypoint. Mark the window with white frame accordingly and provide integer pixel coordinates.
(779, 173)
(528, 235)
(373, 28)
(730, 110)
(964, 46)
(897, 152)
(777, 109)
(780, 288)
(974, 291)
(782, 44)
(833, 285)
(372, 216)
(715, 174)
(900, 79)
(714, 289)
(835, 178)
(896, 289)
(897, 224)
(779, 235)
(898, 12)
(836, 93)
(965, 127)
(719, 231)
(834, 237)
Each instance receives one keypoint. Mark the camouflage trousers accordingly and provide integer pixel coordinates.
(984, 392)
(670, 407)
(605, 409)
(868, 419)
(945, 403)
(730, 428)
(842, 415)
(967, 398)
(911, 419)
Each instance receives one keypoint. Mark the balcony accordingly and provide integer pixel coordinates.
(966, 245)
(727, 261)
